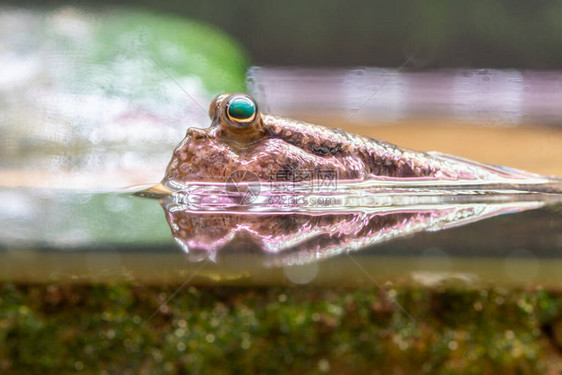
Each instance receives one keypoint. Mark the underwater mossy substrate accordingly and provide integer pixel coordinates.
(57, 329)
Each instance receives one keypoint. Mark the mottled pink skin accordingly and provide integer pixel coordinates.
(206, 155)
(308, 237)
(270, 146)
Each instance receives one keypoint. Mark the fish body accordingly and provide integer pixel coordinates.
(273, 148)
(222, 189)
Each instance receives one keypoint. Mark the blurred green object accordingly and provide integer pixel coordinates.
(181, 46)
(98, 99)
(187, 47)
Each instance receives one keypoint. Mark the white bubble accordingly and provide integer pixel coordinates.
(323, 365)
(301, 274)
(453, 345)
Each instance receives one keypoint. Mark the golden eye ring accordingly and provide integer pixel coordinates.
(241, 109)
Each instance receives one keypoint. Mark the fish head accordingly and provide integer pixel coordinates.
(241, 139)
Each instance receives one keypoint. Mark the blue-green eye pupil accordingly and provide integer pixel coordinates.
(241, 109)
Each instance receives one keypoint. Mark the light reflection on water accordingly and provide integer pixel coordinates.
(108, 237)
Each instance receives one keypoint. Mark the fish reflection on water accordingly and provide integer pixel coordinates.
(287, 238)
(300, 192)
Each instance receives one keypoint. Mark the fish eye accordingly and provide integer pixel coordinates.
(241, 109)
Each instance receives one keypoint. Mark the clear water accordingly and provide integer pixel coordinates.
(48, 236)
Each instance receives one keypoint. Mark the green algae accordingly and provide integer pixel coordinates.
(221, 330)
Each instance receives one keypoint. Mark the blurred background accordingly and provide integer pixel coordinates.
(440, 34)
